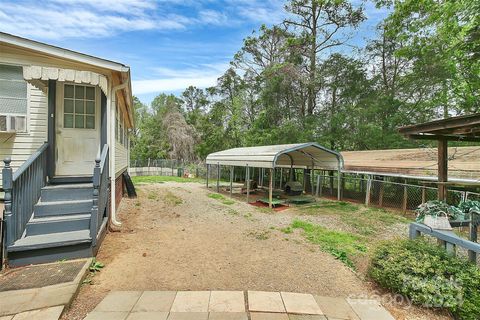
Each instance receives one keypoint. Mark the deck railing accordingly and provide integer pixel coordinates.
(100, 193)
(22, 191)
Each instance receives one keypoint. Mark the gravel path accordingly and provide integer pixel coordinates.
(203, 244)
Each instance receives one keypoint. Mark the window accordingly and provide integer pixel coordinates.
(13, 98)
(79, 107)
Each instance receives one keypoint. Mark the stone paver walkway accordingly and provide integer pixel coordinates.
(41, 303)
(233, 305)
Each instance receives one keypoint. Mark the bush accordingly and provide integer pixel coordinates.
(428, 276)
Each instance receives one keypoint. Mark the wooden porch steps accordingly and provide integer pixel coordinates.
(59, 227)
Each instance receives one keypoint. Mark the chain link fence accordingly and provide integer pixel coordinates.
(376, 190)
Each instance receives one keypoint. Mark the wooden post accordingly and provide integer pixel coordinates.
(381, 192)
(231, 181)
(472, 255)
(247, 179)
(270, 189)
(369, 188)
(424, 196)
(11, 228)
(312, 178)
(442, 168)
(405, 197)
(218, 177)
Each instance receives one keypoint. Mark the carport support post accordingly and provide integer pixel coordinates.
(281, 179)
(231, 181)
(339, 185)
(319, 177)
(270, 189)
(247, 180)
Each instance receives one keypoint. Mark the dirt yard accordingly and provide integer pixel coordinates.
(175, 237)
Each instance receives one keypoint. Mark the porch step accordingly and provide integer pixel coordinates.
(55, 224)
(56, 208)
(51, 240)
(67, 192)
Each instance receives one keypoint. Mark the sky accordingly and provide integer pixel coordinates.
(168, 44)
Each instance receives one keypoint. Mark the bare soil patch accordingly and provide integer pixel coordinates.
(175, 237)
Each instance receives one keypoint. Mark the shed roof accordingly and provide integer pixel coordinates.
(461, 128)
(299, 155)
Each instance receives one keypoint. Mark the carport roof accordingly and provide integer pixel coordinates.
(299, 155)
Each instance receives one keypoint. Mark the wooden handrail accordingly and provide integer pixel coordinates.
(100, 192)
(22, 191)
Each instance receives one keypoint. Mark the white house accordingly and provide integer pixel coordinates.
(60, 110)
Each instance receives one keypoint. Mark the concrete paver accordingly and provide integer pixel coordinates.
(155, 301)
(300, 303)
(12, 302)
(263, 301)
(337, 308)
(188, 316)
(119, 301)
(150, 315)
(191, 301)
(228, 316)
(369, 309)
(307, 317)
(227, 301)
(52, 313)
(107, 315)
(268, 316)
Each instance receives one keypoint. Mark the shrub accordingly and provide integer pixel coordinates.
(429, 276)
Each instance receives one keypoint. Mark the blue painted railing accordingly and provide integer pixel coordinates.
(22, 191)
(100, 193)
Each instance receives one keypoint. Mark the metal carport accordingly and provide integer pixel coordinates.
(294, 156)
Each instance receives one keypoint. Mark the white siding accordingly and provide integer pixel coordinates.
(20, 146)
(121, 158)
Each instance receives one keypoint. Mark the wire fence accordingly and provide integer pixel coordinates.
(373, 190)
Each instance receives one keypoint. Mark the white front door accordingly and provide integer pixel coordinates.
(77, 129)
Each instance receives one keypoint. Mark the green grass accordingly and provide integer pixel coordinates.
(221, 198)
(163, 179)
(365, 221)
(343, 246)
(172, 199)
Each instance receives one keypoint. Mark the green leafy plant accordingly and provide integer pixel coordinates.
(436, 208)
(468, 207)
(429, 276)
(95, 266)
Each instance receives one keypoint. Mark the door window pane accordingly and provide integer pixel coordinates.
(79, 107)
(90, 94)
(90, 107)
(68, 107)
(79, 92)
(68, 120)
(90, 122)
(68, 91)
(79, 121)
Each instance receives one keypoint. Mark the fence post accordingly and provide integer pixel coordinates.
(381, 192)
(472, 255)
(10, 228)
(424, 197)
(369, 188)
(339, 185)
(172, 167)
(148, 163)
(231, 181)
(218, 177)
(319, 179)
(405, 197)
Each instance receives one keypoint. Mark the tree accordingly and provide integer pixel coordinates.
(321, 25)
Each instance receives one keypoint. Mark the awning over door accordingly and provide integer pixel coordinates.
(34, 74)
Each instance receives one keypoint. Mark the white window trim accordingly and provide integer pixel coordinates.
(27, 132)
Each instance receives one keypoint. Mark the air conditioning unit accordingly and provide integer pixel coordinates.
(12, 123)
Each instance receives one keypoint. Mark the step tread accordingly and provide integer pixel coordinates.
(64, 202)
(55, 218)
(68, 186)
(51, 240)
